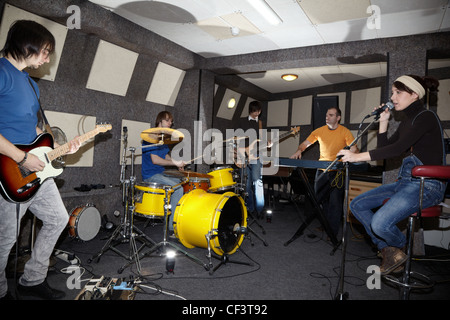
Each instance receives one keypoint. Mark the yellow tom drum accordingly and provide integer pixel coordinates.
(200, 213)
(149, 199)
(222, 179)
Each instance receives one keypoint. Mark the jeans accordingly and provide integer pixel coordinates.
(255, 187)
(48, 207)
(403, 197)
(177, 194)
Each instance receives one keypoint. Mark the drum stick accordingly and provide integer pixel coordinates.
(188, 162)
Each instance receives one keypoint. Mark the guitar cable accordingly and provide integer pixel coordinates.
(338, 180)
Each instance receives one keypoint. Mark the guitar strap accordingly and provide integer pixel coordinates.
(47, 127)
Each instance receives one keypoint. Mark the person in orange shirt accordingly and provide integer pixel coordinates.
(329, 189)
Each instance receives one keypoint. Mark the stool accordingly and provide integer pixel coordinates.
(414, 280)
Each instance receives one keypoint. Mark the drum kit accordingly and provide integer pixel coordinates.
(211, 214)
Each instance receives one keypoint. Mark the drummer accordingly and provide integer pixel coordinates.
(154, 161)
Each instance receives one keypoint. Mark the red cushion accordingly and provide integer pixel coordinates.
(436, 172)
(434, 211)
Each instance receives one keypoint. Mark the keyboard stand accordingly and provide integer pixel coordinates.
(311, 195)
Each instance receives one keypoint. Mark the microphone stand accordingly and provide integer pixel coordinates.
(250, 214)
(340, 294)
(123, 166)
(244, 194)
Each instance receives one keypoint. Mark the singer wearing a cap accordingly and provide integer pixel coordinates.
(419, 137)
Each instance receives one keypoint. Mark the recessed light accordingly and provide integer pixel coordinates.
(289, 77)
(231, 103)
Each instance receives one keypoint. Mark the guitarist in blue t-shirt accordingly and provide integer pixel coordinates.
(28, 45)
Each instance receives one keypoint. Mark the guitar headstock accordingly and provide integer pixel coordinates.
(103, 127)
(295, 130)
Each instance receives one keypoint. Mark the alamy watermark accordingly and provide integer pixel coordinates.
(74, 21)
(374, 21)
(237, 147)
(374, 280)
(74, 280)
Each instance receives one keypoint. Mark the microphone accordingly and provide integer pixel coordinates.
(238, 229)
(389, 105)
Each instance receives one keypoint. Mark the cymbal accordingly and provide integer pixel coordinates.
(164, 135)
(193, 174)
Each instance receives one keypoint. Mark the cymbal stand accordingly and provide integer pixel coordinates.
(224, 258)
(127, 232)
(165, 243)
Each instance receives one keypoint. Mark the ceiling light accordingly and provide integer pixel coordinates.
(266, 11)
(289, 77)
(231, 103)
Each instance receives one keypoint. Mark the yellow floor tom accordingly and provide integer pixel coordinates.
(149, 199)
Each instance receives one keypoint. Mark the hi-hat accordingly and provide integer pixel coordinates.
(162, 135)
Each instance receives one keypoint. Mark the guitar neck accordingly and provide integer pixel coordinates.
(284, 135)
(65, 148)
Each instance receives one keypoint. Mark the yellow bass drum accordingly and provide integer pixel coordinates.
(200, 213)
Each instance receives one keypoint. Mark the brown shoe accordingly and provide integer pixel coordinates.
(392, 259)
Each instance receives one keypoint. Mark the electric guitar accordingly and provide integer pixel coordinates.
(17, 184)
(239, 158)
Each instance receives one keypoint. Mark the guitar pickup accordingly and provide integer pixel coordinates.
(29, 185)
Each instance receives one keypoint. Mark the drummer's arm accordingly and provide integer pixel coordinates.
(161, 161)
(167, 161)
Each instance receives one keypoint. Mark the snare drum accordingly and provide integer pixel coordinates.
(222, 179)
(149, 199)
(195, 183)
(84, 222)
